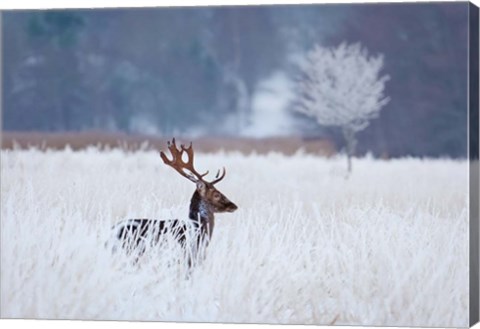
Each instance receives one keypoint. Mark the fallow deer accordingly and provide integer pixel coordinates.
(205, 202)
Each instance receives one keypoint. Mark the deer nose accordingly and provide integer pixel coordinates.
(232, 207)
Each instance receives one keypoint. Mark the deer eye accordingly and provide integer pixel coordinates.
(216, 195)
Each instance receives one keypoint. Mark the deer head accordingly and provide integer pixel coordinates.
(206, 190)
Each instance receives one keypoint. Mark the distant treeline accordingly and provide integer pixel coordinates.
(177, 70)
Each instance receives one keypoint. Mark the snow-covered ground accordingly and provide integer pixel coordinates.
(388, 246)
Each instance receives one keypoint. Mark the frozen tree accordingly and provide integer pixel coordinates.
(341, 87)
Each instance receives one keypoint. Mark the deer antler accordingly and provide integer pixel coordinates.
(180, 166)
(218, 177)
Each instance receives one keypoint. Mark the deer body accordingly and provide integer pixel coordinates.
(205, 202)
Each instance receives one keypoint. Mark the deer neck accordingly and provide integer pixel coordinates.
(201, 214)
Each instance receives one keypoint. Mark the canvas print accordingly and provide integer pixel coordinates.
(281, 164)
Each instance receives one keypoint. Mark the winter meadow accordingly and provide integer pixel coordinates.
(387, 246)
(342, 129)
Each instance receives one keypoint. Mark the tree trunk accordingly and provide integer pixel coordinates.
(351, 143)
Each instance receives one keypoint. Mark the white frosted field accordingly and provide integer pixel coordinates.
(388, 246)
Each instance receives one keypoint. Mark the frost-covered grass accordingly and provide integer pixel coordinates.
(388, 246)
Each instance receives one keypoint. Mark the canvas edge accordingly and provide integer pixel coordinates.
(473, 128)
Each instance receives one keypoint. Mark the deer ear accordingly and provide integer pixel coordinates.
(201, 187)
